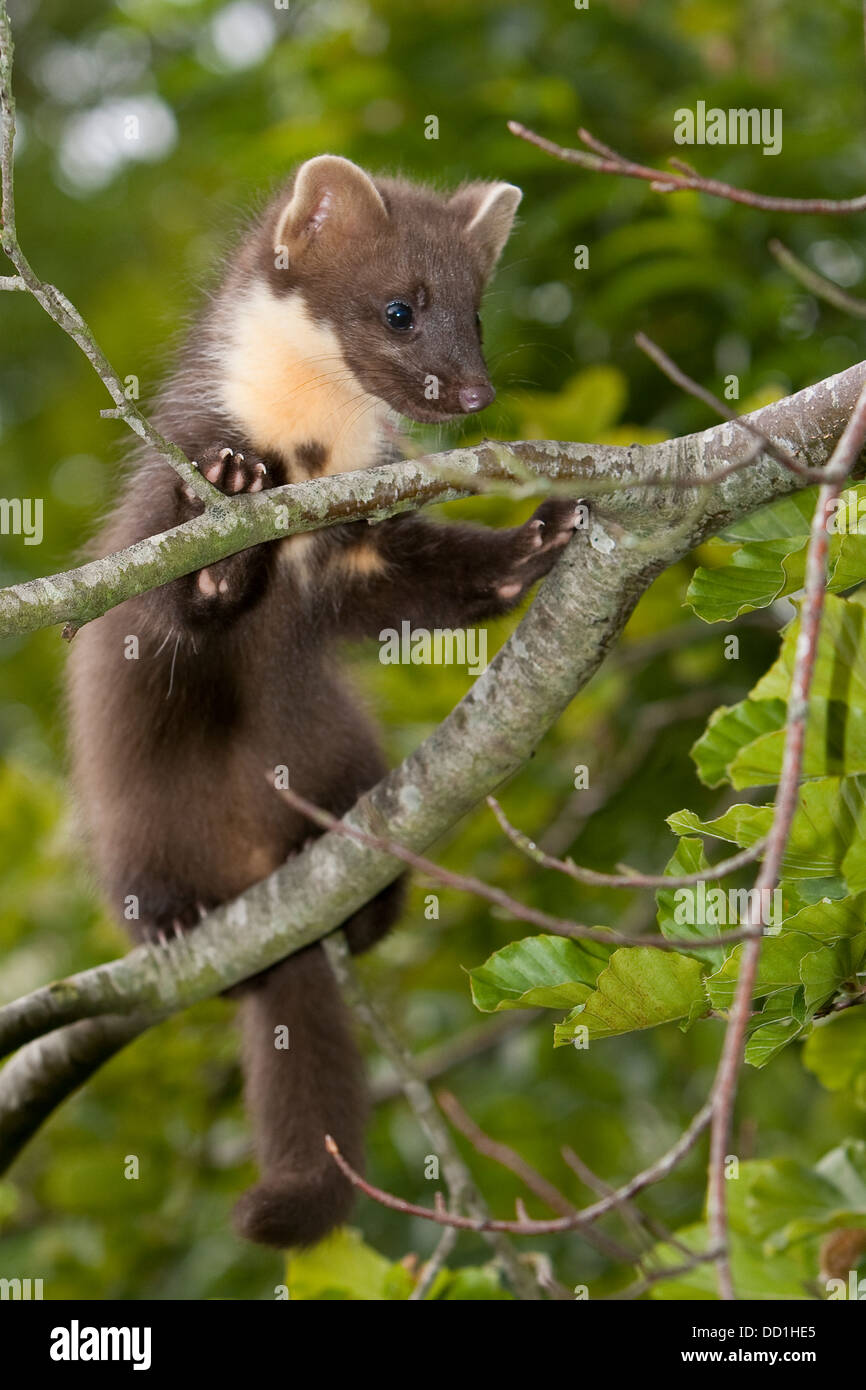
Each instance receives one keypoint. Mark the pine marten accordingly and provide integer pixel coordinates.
(341, 305)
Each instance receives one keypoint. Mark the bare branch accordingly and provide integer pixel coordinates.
(716, 467)
(629, 880)
(527, 1227)
(529, 1176)
(235, 523)
(725, 1083)
(465, 883)
(631, 1213)
(818, 284)
(46, 1071)
(55, 303)
(601, 159)
(693, 388)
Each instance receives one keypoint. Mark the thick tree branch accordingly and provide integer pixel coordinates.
(578, 614)
(634, 485)
(39, 1077)
(236, 523)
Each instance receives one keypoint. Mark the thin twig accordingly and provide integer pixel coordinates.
(515, 1163)
(432, 1267)
(527, 1227)
(818, 284)
(629, 880)
(465, 883)
(601, 159)
(693, 388)
(55, 303)
(724, 1089)
(632, 1215)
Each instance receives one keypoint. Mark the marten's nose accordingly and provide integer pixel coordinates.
(474, 398)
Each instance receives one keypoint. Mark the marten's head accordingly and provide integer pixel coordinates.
(395, 273)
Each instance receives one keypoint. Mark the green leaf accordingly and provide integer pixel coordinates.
(835, 746)
(825, 837)
(553, 972)
(755, 576)
(826, 970)
(803, 892)
(342, 1267)
(730, 729)
(755, 1276)
(688, 858)
(840, 664)
(744, 745)
(770, 561)
(836, 1052)
(742, 824)
(854, 860)
(640, 988)
(845, 1166)
(783, 1201)
(769, 1039)
(706, 909)
(473, 1283)
(800, 969)
(789, 517)
(778, 968)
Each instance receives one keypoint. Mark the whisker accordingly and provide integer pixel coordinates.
(171, 673)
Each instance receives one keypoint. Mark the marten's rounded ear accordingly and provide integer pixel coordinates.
(488, 211)
(329, 195)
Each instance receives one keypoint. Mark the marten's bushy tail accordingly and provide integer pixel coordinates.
(296, 1095)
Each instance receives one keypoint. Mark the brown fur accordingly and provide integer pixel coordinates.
(235, 674)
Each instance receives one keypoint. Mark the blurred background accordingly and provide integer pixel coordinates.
(228, 97)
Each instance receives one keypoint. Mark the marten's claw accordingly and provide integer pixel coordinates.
(154, 936)
(538, 542)
(209, 586)
(232, 472)
(168, 929)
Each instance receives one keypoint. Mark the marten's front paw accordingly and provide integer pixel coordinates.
(232, 472)
(538, 542)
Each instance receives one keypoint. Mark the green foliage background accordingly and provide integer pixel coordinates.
(132, 252)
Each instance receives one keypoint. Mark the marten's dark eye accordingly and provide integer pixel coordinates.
(398, 315)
